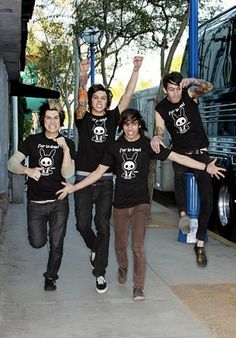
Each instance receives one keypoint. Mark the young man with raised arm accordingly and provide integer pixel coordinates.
(97, 125)
(178, 112)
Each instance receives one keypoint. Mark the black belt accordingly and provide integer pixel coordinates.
(196, 152)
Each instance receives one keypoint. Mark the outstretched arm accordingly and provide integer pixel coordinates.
(199, 87)
(82, 92)
(92, 178)
(210, 168)
(127, 96)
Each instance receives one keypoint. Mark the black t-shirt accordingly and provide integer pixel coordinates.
(131, 162)
(183, 122)
(96, 133)
(45, 153)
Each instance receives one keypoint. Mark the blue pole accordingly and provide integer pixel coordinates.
(191, 185)
(92, 63)
(193, 201)
(193, 39)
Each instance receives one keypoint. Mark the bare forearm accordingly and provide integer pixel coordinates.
(186, 161)
(22, 170)
(82, 96)
(68, 165)
(159, 131)
(126, 98)
(68, 169)
(82, 103)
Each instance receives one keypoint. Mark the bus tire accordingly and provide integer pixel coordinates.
(223, 209)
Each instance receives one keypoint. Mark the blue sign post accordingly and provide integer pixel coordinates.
(91, 36)
(92, 57)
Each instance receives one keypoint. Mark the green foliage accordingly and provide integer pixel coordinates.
(50, 48)
(147, 24)
(134, 25)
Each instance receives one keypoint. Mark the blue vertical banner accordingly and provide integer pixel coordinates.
(193, 39)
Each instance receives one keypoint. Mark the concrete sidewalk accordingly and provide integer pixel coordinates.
(76, 310)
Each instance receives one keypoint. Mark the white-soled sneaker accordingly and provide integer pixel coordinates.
(101, 284)
(138, 294)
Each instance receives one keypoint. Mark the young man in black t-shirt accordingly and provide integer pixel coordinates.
(130, 156)
(178, 112)
(51, 161)
(97, 128)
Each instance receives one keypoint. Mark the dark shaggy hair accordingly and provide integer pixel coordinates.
(131, 115)
(51, 105)
(95, 88)
(174, 78)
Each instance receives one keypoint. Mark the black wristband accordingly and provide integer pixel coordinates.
(206, 165)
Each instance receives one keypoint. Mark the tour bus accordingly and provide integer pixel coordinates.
(217, 64)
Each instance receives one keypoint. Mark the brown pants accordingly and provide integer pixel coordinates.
(135, 218)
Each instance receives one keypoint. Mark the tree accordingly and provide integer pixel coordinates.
(120, 22)
(50, 48)
(143, 24)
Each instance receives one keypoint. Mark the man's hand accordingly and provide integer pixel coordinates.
(213, 170)
(34, 173)
(186, 82)
(68, 189)
(137, 61)
(156, 141)
(62, 143)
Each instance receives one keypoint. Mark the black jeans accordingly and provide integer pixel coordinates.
(99, 195)
(204, 183)
(48, 221)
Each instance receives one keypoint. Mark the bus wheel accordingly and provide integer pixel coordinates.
(224, 211)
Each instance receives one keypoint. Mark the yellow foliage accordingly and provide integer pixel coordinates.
(176, 63)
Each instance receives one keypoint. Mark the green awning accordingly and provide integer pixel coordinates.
(34, 103)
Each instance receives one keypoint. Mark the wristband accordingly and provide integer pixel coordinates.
(206, 165)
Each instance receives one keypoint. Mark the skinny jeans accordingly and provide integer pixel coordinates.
(98, 196)
(204, 183)
(48, 222)
(134, 218)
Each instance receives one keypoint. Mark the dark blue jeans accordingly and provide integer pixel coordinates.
(204, 183)
(100, 196)
(48, 221)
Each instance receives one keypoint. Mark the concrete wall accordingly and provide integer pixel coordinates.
(4, 135)
(4, 140)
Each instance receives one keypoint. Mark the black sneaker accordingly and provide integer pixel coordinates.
(201, 255)
(122, 276)
(92, 259)
(101, 284)
(50, 284)
(138, 294)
